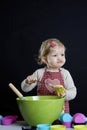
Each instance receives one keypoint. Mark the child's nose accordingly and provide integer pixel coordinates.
(58, 57)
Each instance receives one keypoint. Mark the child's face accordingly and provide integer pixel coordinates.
(56, 58)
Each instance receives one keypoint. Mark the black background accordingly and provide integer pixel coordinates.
(23, 26)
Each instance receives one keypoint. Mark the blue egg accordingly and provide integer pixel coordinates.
(66, 117)
(0, 119)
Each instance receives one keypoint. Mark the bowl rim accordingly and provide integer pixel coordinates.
(40, 98)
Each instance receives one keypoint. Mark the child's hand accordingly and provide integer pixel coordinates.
(59, 89)
(30, 79)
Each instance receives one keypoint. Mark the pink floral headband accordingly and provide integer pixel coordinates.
(52, 44)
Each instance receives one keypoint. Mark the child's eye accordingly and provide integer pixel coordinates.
(54, 55)
(62, 54)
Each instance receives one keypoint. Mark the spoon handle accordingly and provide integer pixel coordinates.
(15, 90)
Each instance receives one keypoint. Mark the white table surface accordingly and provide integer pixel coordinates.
(18, 126)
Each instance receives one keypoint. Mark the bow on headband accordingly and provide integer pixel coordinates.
(52, 44)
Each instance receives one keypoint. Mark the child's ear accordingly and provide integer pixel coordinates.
(44, 60)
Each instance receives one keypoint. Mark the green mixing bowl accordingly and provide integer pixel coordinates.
(40, 109)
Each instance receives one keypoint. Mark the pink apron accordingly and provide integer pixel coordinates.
(44, 87)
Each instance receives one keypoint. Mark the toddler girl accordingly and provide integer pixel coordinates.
(52, 55)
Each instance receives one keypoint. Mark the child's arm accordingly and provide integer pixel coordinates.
(29, 83)
(32, 81)
(26, 87)
(71, 90)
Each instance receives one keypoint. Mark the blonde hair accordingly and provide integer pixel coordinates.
(46, 47)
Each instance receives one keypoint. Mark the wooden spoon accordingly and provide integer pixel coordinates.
(16, 91)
